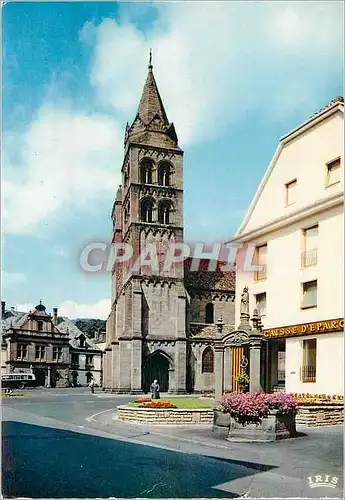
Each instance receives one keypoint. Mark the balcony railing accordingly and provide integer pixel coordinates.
(308, 373)
(309, 258)
(260, 275)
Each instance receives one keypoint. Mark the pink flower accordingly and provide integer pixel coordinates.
(252, 407)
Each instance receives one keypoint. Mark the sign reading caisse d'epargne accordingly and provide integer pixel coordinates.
(327, 326)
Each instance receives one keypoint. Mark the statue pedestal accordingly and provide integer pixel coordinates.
(244, 322)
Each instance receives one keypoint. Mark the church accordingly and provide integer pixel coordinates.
(162, 325)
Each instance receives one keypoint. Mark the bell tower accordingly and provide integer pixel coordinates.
(146, 334)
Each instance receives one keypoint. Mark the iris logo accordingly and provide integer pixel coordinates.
(323, 481)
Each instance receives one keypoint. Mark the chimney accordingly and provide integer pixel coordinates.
(55, 313)
(3, 305)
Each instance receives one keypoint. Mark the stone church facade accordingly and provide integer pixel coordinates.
(162, 324)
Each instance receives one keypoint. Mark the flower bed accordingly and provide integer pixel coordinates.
(152, 403)
(319, 399)
(253, 407)
(256, 416)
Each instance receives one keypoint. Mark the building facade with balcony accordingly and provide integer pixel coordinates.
(295, 222)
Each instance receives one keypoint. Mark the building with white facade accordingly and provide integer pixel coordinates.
(296, 223)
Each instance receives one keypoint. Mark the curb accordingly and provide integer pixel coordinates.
(161, 434)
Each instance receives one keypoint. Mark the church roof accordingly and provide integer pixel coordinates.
(67, 326)
(151, 124)
(203, 279)
(151, 104)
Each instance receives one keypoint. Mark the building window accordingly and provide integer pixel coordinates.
(146, 172)
(333, 172)
(39, 326)
(146, 210)
(89, 361)
(260, 300)
(22, 351)
(308, 370)
(40, 352)
(290, 192)
(309, 294)
(164, 212)
(209, 313)
(261, 260)
(57, 353)
(81, 341)
(207, 360)
(309, 254)
(164, 174)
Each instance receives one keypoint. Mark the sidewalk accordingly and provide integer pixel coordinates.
(282, 468)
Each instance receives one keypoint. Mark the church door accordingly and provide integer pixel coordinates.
(156, 367)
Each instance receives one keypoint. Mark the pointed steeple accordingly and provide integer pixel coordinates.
(151, 117)
(151, 104)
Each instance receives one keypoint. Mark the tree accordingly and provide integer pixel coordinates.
(90, 326)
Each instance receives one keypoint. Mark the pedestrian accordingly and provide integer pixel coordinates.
(155, 390)
(92, 386)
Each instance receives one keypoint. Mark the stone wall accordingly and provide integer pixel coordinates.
(165, 416)
(222, 308)
(320, 415)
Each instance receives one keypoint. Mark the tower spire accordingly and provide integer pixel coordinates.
(150, 60)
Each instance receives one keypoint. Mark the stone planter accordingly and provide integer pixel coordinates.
(221, 419)
(274, 426)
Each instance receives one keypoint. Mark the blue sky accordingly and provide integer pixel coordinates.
(234, 78)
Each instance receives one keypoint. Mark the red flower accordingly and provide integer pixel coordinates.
(159, 404)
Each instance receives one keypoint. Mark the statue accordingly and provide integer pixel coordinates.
(155, 390)
(245, 302)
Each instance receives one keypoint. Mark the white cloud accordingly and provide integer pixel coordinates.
(10, 280)
(73, 310)
(65, 159)
(216, 61)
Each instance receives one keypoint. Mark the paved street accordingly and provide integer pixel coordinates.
(65, 443)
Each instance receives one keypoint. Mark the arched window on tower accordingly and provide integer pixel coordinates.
(164, 174)
(207, 364)
(209, 313)
(146, 172)
(165, 212)
(126, 215)
(146, 210)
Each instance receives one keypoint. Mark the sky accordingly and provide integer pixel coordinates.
(234, 78)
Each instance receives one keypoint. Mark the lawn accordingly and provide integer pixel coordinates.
(189, 403)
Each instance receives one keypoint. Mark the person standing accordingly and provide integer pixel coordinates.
(92, 386)
(155, 390)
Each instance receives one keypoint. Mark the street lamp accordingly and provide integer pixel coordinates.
(220, 323)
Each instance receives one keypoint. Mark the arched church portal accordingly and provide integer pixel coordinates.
(156, 367)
